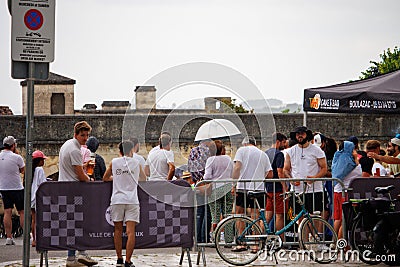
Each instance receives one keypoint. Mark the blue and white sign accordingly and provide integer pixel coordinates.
(32, 30)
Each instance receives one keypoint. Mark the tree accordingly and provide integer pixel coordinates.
(390, 61)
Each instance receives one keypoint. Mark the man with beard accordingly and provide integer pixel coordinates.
(305, 160)
(393, 158)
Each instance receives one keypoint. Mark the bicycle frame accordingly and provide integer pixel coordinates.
(267, 230)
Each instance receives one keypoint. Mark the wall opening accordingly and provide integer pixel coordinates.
(57, 103)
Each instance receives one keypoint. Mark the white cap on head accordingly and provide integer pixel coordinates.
(9, 140)
(395, 141)
(317, 140)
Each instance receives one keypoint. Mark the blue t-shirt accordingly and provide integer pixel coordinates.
(277, 159)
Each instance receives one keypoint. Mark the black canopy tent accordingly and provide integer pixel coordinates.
(371, 96)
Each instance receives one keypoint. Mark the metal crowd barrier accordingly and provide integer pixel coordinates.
(204, 200)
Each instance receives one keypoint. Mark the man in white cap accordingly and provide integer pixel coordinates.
(11, 167)
(393, 157)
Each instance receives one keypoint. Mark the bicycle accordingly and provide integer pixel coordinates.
(375, 228)
(254, 241)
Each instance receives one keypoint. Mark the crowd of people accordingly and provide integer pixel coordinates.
(303, 154)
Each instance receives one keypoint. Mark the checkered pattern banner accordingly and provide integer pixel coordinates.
(76, 215)
(365, 187)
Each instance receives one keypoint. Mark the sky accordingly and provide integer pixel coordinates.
(283, 47)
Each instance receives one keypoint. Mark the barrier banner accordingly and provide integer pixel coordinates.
(365, 187)
(76, 215)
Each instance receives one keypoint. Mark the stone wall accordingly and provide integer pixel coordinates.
(51, 131)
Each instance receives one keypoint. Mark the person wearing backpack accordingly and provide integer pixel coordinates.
(100, 166)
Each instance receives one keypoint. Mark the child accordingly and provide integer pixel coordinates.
(38, 178)
(124, 172)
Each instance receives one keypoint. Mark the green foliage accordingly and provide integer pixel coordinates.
(390, 61)
(285, 111)
(230, 107)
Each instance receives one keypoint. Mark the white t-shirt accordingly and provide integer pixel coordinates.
(382, 170)
(255, 165)
(218, 168)
(158, 163)
(10, 163)
(69, 156)
(125, 173)
(140, 159)
(156, 148)
(355, 173)
(304, 162)
(38, 178)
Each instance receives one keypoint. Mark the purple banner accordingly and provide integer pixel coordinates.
(76, 215)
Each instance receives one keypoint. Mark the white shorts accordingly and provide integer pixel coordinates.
(125, 212)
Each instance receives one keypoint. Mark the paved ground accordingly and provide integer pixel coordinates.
(11, 256)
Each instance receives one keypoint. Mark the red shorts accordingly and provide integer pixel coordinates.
(277, 199)
(337, 203)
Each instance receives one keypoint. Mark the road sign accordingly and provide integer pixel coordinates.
(20, 70)
(33, 19)
(32, 30)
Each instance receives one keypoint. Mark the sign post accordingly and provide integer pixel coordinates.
(32, 42)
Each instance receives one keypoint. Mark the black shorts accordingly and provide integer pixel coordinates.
(240, 200)
(11, 197)
(317, 201)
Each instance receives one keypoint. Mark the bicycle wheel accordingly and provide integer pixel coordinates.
(234, 241)
(318, 237)
(362, 240)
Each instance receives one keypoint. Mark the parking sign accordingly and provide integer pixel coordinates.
(32, 30)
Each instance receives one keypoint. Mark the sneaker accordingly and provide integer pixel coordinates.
(120, 263)
(10, 241)
(129, 264)
(74, 263)
(86, 260)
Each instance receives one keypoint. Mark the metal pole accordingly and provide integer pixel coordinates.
(28, 168)
(305, 118)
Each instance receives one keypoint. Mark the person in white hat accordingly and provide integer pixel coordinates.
(11, 167)
(38, 178)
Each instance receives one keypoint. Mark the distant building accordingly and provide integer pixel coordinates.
(145, 97)
(52, 96)
(90, 107)
(115, 105)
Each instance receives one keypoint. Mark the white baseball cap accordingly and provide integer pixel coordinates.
(9, 140)
(318, 139)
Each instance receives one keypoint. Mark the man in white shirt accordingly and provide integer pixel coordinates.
(135, 154)
(158, 146)
(250, 163)
(71, 169)
(305, 160)
(11, 188)
(125, 172)
(160, 163)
